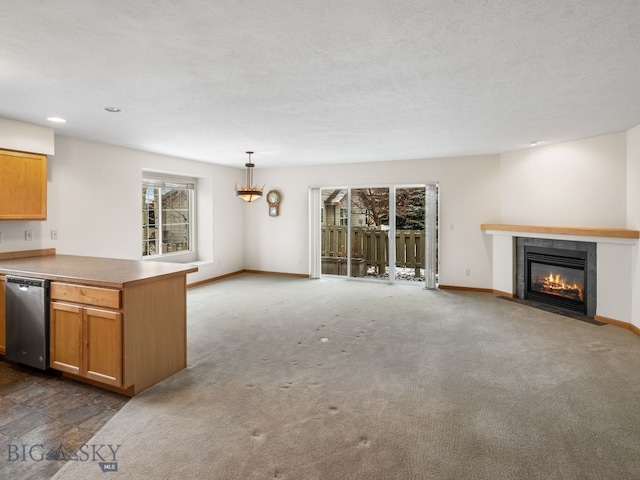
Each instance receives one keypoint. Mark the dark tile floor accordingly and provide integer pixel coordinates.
(40, 412)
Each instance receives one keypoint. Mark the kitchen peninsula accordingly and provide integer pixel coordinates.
(118, 324)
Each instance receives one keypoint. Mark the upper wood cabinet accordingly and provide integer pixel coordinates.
(23, 186)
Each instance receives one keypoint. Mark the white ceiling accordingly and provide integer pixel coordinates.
(305, 82)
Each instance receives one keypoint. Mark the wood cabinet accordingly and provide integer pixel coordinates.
(3, 322)
(85, 339)
(102, 346)
(128, 338)
(114, 323)
(66, 337)
(23, 186)
(87, 342)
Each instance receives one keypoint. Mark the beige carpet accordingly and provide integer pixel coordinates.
(317, 379)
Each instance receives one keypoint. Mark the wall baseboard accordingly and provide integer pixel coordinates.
(617, 323)
(504, 294)
(257, 272)
(281, 274)
(466, 289)
(214, 279)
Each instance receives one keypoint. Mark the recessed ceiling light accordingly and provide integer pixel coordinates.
(113, 109)
(534, 143)
(56, 119)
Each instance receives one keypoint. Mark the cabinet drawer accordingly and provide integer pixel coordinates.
(99, 297)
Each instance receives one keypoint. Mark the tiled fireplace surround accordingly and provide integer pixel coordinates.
(614, 260)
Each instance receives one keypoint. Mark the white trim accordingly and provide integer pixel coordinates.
(315, 262)
(160, 180)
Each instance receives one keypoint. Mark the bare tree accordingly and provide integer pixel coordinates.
(373, 203)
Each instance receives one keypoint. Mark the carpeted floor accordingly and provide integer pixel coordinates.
(317, 379)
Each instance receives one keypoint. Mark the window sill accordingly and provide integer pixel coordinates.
(186, 256)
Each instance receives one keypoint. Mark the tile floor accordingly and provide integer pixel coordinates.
(40, 412)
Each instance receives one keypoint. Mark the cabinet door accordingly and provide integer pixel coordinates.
(66, 337)
(3, 332)
(103, 346)
(23, 186)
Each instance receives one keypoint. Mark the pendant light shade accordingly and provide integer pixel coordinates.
(249, 192)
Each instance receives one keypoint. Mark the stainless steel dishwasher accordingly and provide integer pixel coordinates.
(27, 324)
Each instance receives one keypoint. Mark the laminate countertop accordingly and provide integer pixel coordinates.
(96, 271)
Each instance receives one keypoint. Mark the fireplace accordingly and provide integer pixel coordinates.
(557, 273)
(556, 277)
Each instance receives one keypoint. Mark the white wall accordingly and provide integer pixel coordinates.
(26, 137)
(504, 264)
(94, 200)
(614, 281)
(589, 183)
(469, 193)
(633, 216)
(581, 183)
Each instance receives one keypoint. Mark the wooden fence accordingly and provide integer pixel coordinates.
(370, 248)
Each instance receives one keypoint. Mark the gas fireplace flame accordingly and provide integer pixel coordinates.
(556, 285)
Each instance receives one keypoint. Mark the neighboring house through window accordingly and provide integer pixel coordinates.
(167, 214)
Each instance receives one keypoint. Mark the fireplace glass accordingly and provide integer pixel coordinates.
(556, 277)
(559, 281)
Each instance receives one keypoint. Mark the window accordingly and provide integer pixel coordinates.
(344, 219)
(167, 214)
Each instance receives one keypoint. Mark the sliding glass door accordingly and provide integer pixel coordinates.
(376, 233)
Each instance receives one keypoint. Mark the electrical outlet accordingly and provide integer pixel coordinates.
(28, 235)
(54, 234)
(467, 272)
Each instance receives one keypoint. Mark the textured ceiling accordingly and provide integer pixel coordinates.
(305, 82)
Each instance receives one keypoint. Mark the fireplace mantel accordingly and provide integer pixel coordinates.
(614, 234)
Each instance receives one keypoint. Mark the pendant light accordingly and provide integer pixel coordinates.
(249, 192)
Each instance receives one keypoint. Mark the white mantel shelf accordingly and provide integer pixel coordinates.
(612, 235)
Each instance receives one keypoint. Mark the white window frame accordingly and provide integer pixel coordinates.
(432, 206)
(159, 180)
